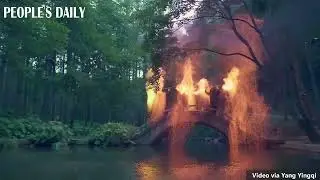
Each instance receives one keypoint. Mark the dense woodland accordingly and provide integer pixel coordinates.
(89, 69)
(92, 69)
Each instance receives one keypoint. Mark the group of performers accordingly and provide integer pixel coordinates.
(216, 94)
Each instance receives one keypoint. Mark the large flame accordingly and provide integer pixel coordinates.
(156, 98)
(151, 95)
(186, 87)
(195, 93)
(246, 107)
(231, 81)
(151, 90)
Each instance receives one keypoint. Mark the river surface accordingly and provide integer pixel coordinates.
(144, 163)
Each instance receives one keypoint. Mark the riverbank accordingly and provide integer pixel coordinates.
(300, 143)
(32, 132)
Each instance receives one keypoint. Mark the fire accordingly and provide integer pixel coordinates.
(151, 90)
(245, 107)
(231, 82)
(194, 92)
(151, 95)
(186, 86)
(156, 99)
(203, 85)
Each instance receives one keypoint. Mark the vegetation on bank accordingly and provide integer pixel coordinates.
(35, 132)
(112, 134)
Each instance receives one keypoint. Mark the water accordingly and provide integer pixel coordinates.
(144, 163)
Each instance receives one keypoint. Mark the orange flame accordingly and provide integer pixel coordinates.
(231, 82)
(203, 85)
(195, 96)
(156, 99)
(245, 106)
(186, 87)
(151, 90)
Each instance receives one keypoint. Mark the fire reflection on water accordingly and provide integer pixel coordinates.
(181, 167)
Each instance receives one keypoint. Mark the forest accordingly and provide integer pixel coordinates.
(71, 75)
(82, 71)
(211, 80)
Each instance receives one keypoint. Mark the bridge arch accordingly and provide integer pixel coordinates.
(162, 129)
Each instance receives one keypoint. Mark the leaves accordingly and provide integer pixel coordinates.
(113, 134)
(87, 69)
(34, 130)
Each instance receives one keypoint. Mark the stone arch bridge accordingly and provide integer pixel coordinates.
(153, 134)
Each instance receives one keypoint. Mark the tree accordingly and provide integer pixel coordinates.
(228, 10)
(87, 69)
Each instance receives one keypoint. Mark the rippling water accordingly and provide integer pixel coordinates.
(144, 164)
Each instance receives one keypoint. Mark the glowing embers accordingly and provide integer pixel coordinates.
(195, 95)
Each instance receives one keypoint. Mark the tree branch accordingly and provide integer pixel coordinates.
(251, 15)
(241, 20)
(221, 16)
(220, 53)
(256, 28)
(242, 39)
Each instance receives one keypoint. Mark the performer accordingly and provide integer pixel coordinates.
(217, 99)
(171, 96)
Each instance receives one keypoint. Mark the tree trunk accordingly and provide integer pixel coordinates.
(305, 121)
(3, 83)
(314, 86)
(53, 87)
(88, 104)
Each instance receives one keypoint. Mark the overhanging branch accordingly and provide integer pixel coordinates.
(186, 20)
(221, 53)
(255, 26)
(241, 38)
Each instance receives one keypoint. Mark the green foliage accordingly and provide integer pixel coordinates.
(55, 133)
(80, 129)
(85, 69)
(113, 134)
(35, 130)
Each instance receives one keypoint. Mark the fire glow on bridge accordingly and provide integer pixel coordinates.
(244, 108)
(196, 95)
